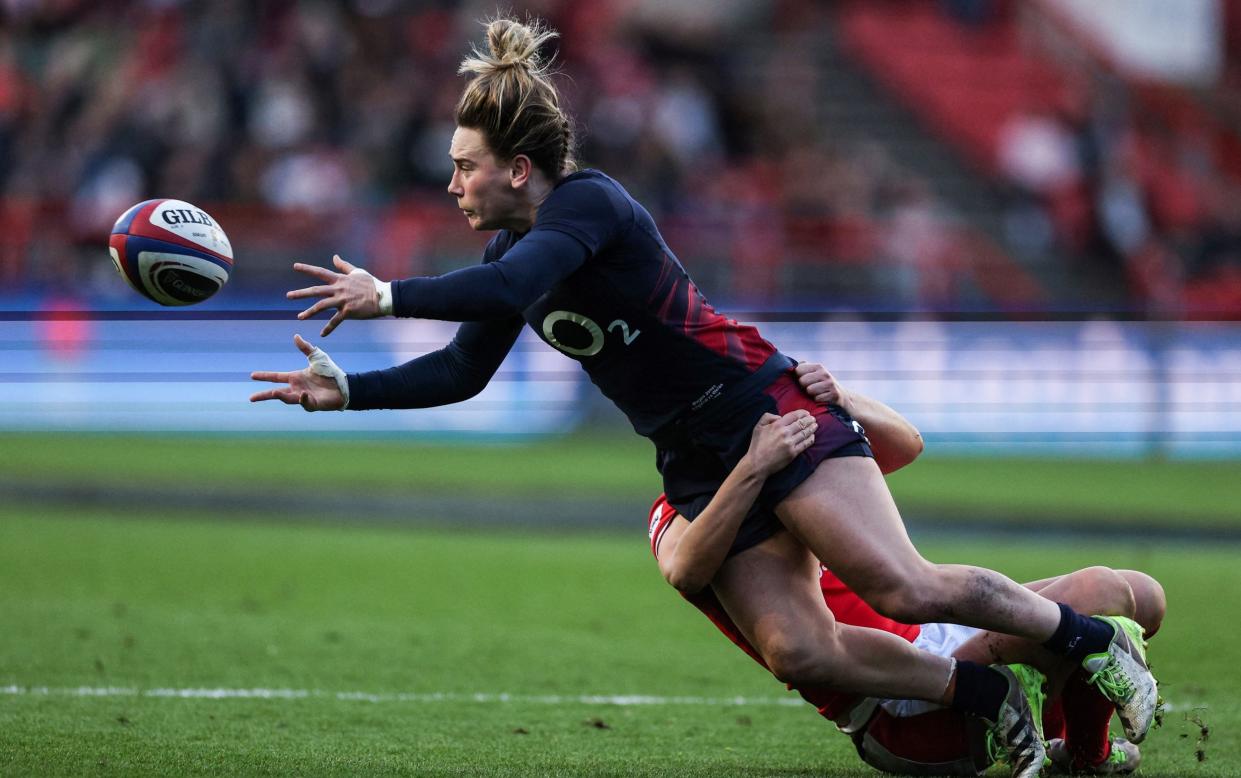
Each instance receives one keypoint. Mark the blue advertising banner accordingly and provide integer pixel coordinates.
(1098, 388)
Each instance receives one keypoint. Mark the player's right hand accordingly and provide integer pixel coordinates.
(777, 440)
(353, 292)
(316, 387)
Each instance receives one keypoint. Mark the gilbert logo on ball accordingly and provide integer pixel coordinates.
(171, 252)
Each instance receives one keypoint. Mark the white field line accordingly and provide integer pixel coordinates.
(430, 697)
(398, 697)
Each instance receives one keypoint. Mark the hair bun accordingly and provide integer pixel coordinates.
(510, 44)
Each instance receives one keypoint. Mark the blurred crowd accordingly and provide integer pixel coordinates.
(330, 107)
(1099, 177)
(341, 113)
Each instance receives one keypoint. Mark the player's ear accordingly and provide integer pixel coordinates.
(519, 170)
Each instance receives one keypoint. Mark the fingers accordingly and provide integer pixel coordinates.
(333, 323)
(322, 305)
(767, 418)
(804, 441)
(310, 291)
(321, 273)
(799, 415)
(286, 396)
(800, 428)
(823, 392)
(303, 345)
(803, 368)
(267, 375)
(344, 266)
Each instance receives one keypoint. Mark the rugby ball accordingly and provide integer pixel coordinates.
(171, 252)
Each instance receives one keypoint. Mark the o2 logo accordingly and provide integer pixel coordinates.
(593, 330)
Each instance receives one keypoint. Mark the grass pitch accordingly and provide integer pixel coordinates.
(101, 611)
(620, 466)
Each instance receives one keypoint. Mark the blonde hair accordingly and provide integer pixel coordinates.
(512, 101)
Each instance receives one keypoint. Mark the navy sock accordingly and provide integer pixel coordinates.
(1079, 636)
(980, 690)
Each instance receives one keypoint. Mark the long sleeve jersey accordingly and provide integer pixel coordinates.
(594, 279)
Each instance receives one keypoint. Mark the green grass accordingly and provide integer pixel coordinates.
(622, 465)
(619, 464)
(106, 600)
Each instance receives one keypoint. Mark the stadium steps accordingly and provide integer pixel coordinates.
(938, 97)
(858, 110)
(855, 111)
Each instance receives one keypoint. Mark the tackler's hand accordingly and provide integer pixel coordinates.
(822, 386)
(353, 292)
(777, 440)
(320, 386)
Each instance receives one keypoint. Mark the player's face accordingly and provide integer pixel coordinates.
(483, 185)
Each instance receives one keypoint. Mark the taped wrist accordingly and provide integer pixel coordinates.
(384, 290)
(322, 365)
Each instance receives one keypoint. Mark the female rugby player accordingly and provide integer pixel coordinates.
(902, 736)
(584, 265)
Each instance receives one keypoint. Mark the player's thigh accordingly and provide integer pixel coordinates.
(771, 591)
(845, 514)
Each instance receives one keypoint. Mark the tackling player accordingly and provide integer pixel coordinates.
(903, 736)
(584, 265)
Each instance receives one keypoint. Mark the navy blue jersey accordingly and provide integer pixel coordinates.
(595, 280)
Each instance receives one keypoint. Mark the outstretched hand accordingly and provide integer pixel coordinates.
(315, 387)
(351, 292)
(777, 440)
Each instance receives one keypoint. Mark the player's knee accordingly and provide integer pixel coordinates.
(914, 598)
(1150, 602)
(900, 605)
(1106, 591)
(796, 661)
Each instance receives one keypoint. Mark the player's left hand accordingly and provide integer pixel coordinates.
(320, 386)
(352, 292)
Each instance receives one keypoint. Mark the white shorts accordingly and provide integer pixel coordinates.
(938, 639)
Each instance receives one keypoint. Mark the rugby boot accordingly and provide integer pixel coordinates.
(1122, 676)
(1017, 737)
(1123, 759)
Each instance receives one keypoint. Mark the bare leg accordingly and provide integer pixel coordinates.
(1149, 598)
(772, 593)
(846, 516)
(1092, 590)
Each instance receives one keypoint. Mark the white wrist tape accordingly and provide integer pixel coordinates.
(384, 289)
(321, 364)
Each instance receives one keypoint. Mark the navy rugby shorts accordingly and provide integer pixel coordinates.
(696, 458)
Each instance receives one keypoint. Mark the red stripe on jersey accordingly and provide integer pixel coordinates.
(722, 335)
(665, 268)
(736, 349)
(712, 337)
(665, 308)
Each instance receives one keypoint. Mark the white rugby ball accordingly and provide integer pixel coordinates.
(171, 252)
